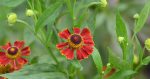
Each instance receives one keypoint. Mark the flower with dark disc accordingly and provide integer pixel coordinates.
(13, 54)
(79, 41)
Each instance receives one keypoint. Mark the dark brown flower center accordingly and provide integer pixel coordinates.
(76, 39)
(12, 51)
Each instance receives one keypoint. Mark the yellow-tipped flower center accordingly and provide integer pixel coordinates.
(75, 41)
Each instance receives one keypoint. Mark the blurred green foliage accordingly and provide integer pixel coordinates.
(101, 21)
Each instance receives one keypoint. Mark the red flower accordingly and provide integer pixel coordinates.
(13, 54)
(2, 77)
(81, 41)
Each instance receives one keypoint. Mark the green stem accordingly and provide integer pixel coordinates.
(52, 55)
(50, 52)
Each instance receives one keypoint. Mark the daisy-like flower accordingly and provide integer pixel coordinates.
(13, 54)
(79, 41)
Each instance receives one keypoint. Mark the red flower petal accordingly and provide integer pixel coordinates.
(88, 49)
(84, 53)
(25, 51)
(85, 32)
(4, 60)
(2, 54)
(64, 34)
(5, 47)
(19, 44)
(61, 45)
(68, 53)
(89, 42)
(21, 61)
(70, 56)
(88, 37)
(76, 30)
(79, 55)
(14, 64)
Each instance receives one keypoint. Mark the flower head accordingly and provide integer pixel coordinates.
(12, 18)
(13, 54)
(147, 44)
(29, 12)
(79, 41)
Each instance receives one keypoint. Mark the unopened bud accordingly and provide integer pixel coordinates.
(29, 12)
(12, 18)
(120, 39)
(103, 3)
(136, 16)
(147, 44)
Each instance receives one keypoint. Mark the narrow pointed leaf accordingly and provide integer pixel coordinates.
(143, 17)
(97, 60)
(49, 15)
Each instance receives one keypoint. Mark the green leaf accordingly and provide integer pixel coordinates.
(121, 32)
(129, 53)
(116, 61)
(143, 17)
(11, 3)
(37, 71)
(146, 60)
(122, 74)
(120, 27)
(48, 16)
(97, 60)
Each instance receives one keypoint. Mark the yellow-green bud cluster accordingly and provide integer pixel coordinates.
(12, 18)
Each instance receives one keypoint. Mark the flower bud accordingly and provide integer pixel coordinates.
(12, 18)
(147, 44)
(120, 39)
(108, 64)
(103, 3)
(29, 12)
(135, 59)
(136, 16)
